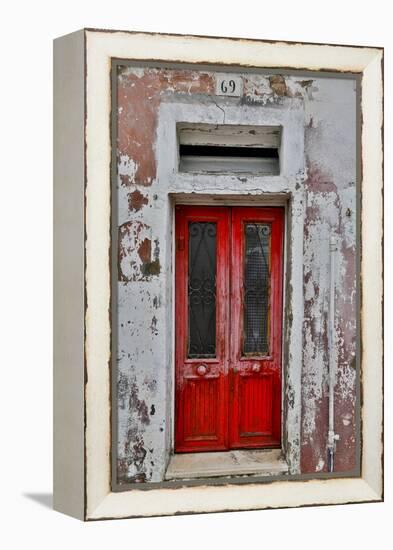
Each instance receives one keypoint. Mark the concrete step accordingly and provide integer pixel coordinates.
(229, 463)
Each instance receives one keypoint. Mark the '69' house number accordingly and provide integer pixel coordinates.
(229, 85)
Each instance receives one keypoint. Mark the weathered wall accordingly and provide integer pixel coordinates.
(330, 150)
(143, 362)
(319, 166)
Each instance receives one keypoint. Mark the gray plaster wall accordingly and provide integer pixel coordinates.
(317, 184)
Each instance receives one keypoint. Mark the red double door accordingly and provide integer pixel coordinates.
(229, 263)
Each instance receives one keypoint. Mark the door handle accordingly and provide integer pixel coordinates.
(201, 370)
(235, 370)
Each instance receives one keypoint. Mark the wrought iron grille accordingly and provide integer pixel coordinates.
(202, 289)
(256, 289)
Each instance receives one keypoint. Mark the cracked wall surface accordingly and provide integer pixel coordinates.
(318, 174)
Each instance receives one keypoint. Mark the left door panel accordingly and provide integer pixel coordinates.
(202, 290)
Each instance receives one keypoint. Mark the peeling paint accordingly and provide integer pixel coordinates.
(136, 200)
(329, 197)
(278, 85)
(274, 89)
(135, 252)
(139, 95)
(324, 186)
(144, 250)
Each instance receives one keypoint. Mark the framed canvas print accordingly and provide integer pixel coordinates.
(218, 274)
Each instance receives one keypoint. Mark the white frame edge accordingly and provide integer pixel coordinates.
(101, 47)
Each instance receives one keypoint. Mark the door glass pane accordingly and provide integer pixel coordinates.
(256, 288)
(202, 289)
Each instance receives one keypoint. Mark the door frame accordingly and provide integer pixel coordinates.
(262, 201)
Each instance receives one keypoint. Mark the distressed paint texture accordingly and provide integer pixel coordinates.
(142, 397)
(318, 174)
(330, 149)
(139, 95)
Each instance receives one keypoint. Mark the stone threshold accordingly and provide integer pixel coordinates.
(266, 462)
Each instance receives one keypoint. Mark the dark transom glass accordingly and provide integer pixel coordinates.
(256, 289)
(202, 289)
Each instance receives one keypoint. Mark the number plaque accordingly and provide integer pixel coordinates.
(230, 85)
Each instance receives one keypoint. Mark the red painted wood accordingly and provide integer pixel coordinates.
(231, 405)
(255, 382)
(201, 407)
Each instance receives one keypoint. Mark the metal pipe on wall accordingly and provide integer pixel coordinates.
(332, 437)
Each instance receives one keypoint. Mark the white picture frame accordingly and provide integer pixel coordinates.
(82, 398)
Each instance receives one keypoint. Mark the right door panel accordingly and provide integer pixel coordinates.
(256, 325)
